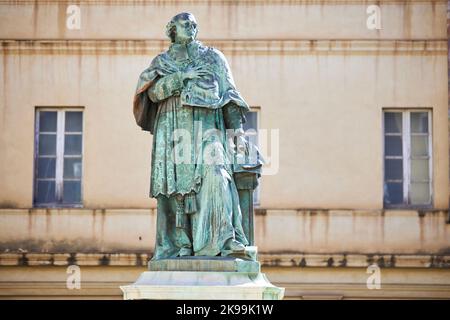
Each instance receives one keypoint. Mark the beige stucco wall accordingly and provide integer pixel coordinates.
(229, 19)
(326, 105)
(316, 73)
(325, 97)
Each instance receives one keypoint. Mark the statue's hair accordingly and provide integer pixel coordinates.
(171, 28)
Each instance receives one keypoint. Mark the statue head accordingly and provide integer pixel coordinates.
(182, 28)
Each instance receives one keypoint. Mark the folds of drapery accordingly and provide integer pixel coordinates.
(164, 74)
(165, 104)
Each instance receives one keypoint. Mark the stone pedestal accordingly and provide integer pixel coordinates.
(204, 278)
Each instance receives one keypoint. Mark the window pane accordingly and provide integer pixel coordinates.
(47, 144)
(393, 122)
(72, 168)
(74, 121)
(419, 170)
(393, 169)
(419, 146)
(72, 144)
(47, 121)
(420, 193)
(46, 167)
(250, 127)
(393, 145)
(72, 192)
(419, 122)
(251, 118)
(45, 192)
(252, 137)
(393, 193)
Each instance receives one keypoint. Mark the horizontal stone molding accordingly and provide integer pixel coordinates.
(240, 47)
(355, 260)
(77, 211)
(294, 260)
(258, 211)
(219, 2)
(59, 290)
(306, 291)
(347, 291)
(81, 259)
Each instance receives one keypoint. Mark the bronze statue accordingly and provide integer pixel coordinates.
(187, 99)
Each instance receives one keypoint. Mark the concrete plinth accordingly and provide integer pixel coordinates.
(220, 264)
(193, 278)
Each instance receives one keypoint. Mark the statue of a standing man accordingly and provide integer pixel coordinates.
(189, 90)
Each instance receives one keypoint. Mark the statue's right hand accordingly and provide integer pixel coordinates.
(195, 72)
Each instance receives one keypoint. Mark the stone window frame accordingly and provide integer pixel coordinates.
(406, 156)
(59, 166)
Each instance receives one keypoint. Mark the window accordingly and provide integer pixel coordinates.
(407, 158)
(58, 157)
(251, 132)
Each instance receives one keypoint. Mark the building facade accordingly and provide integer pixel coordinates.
(350, 100)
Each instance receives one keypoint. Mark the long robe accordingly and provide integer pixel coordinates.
(191, 154)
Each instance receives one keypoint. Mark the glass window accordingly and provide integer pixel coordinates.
(251, 132)
(407, 158)
(47, 121)
(58, 167)
(74, 121)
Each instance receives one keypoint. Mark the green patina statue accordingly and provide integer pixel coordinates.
(203, 171)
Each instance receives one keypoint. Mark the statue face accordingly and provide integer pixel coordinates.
(186, 28)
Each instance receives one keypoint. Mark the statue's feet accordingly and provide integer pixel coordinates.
(234, 246)
(185, 252)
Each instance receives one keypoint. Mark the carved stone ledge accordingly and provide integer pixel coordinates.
(243, 47)
(294, 260)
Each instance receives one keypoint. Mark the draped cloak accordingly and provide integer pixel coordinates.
(188, 120)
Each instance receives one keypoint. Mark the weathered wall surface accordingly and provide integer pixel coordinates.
(326, 99)
(315, 72)
(229, 19)
(325, 96)
(277, 231)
